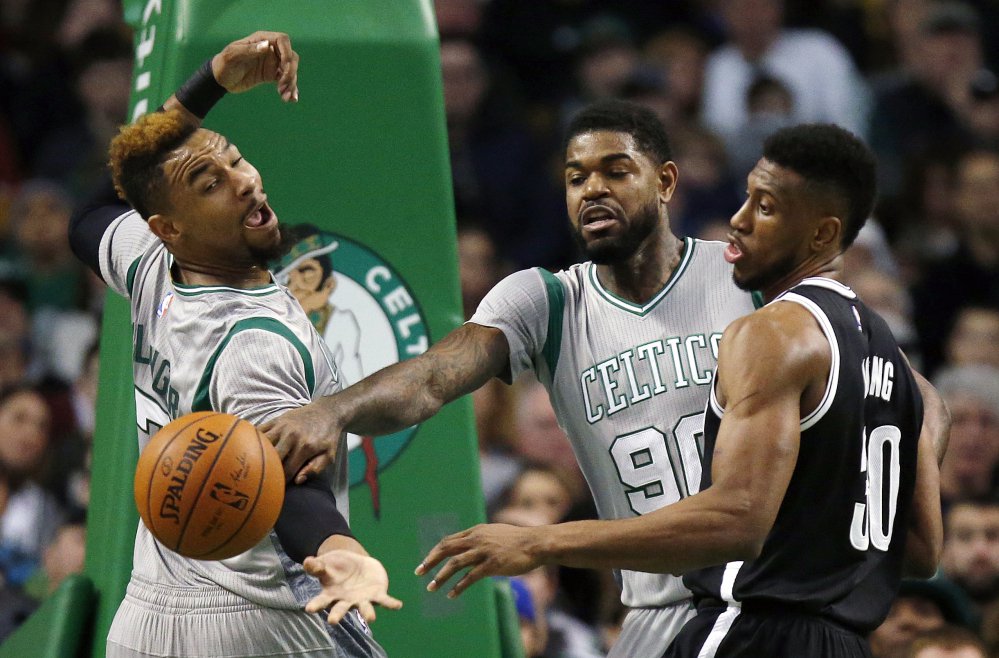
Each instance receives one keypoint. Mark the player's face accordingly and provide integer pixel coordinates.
(615, 194)
(770, 233)
(218, 206)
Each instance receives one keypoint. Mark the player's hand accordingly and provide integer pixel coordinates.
(256, 59)
(306, 439)
(486, 550)
(349, 580)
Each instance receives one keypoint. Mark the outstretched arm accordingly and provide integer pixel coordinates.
(259, 58)
(393, 398)
(767, 362)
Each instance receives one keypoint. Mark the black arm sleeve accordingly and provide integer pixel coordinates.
(309, 516)
(89, 222)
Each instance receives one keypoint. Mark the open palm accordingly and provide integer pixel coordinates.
(349, 580)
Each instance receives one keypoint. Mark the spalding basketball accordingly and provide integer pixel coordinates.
(209, 486)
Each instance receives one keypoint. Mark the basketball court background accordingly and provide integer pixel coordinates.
(363, 158)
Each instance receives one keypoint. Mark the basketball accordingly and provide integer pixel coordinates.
(209, 486)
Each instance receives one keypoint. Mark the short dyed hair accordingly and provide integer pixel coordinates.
(624, 117)
(834, 161)
(137, 154)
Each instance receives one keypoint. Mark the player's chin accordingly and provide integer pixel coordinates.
(266, 246)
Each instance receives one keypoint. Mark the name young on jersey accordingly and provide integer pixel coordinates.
(879, 375)
(643, 372)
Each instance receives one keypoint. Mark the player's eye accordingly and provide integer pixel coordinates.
(236, 162)
(211, 185)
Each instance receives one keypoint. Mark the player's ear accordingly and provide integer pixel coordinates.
(827, 233)
(163, 228)
(668, 175)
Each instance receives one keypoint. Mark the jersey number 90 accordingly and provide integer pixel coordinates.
(658, 469)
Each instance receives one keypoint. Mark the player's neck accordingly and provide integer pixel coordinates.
(640, 277)
(192, 274)
(827, 266)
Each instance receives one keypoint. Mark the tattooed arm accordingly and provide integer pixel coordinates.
(393, 398)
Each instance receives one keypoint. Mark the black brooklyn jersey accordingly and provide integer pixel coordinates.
(837, 544)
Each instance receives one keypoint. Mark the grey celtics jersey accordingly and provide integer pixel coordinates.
(628, 383)
(251, 353)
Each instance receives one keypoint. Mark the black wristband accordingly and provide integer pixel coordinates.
(201, 91)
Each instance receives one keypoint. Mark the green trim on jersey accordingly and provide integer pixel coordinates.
(631, 307)
(202, 399)
(193, 291)
(130, 276)
(556, 309)
(758, 299)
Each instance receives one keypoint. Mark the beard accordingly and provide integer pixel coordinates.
(607, 251)
(266, 256)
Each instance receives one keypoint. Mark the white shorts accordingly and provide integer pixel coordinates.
(187, 623)
(648, 632)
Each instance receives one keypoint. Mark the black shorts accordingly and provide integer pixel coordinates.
(755, 631)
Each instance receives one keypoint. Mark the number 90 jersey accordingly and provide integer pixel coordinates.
(837, 544)
(628, 382)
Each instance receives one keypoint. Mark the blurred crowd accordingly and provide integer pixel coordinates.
(917, 79)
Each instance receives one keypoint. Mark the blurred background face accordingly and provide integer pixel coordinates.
(974, 338)
(542, 492)
(752, 24)
(465, 80)
(978, 192)
(971, 549)
(974, 438)
(909, 616)
(41, 216)
(24, 432)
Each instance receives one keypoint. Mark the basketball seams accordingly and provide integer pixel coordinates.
(204, 481)
(256, 499)
(202, 416)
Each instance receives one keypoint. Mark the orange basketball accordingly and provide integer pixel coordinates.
(209, 486)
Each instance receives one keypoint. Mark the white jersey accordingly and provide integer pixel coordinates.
(252, 353)
(628, 382)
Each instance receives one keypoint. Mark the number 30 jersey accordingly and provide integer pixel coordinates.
(837, 545)
(628, 382)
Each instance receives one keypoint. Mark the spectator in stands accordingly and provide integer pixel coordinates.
(57, 285)
(708, 193)
(970, 275)
(499, 172)
(969, 467)
(538, 437)
(817, 69)
(924, 108)
(974, 338)
(62, 558)
(680, 54)
(921, 606)
(31, 515)
(947, 642)
(540, 490)
(971, 549)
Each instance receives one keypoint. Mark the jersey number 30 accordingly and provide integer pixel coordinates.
(657, 468)
(874, 520)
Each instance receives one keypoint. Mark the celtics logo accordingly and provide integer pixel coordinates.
(369, 318)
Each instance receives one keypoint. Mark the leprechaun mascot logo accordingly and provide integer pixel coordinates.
(369, 318)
